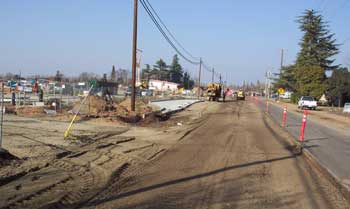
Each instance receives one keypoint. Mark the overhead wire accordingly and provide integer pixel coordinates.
(156, 19)
(149, 12)
(170, 33)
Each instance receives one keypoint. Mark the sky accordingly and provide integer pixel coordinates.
(241, 39)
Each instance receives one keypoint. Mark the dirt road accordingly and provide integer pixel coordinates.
(233, 160)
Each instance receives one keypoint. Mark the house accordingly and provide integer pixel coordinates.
(159, 85)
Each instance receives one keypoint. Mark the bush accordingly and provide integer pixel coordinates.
(295, 98)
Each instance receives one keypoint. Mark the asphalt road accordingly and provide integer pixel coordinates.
(329, 145)
(234, 159)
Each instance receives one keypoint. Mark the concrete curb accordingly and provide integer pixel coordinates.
(163, 100)
(178, 110)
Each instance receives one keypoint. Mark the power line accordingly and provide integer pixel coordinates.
(206, 67)
(170, 33)
(150, 14)
(153, 14)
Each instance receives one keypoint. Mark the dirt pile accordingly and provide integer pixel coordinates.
(30, 110)
(140, 107)
(97, 104)
(94, 105)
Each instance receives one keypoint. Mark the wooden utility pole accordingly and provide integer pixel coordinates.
(282, 58)
(134, 48)
(2, 112)
(212, 77)
(199, 77)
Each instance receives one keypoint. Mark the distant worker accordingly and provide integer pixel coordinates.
(225, 93)
(13, 99)
(41, 95)
(36, 87)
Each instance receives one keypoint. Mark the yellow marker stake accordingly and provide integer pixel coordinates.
(66, 133)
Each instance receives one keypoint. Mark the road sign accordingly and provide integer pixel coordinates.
(280, 90)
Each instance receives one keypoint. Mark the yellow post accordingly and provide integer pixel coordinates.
(66, 133)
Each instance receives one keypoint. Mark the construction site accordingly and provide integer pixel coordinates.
(174, 104)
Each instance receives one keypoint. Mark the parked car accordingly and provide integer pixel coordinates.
(146, 92)
(307, 102)
(137, 91)
(274, 96)
(286, 95)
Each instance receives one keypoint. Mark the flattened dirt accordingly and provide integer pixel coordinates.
(52, 172)
(234, 159)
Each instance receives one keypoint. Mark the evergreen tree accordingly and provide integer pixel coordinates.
(188, 83)
(310, 81)
(146, 72)
(315, 56)
(160, 69)
(113, 74)
(58, 76)
(317, 44)
(176, 72)
(286, 79)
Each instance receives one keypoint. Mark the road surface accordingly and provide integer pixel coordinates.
(329, 145)
(234, 159)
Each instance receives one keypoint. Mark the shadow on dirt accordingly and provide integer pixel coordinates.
(186, 179)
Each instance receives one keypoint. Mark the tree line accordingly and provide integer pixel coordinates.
(307, 75)
(172, 73)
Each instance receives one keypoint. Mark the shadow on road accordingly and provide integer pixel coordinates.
(316, 139)
(189, 178)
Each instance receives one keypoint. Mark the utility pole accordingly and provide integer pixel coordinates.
(199, 77)
(282, 58)
(138, 67)
(2, 113)
(266, 84)
(212, 77)
(134, 48)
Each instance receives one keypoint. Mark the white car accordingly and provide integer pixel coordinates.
(286, 95)
(307, 102)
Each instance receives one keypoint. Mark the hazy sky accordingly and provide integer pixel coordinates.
(241, 39)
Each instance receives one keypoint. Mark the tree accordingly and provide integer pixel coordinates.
(188, 83)
(58, 76)
(113, 74)
(315, 56)
(9, 76)
(339, 86)
(160, 69)
(85, 76)
(176, 72)
(317, 44)
(310, 81)
(286, 79)
(146, 72)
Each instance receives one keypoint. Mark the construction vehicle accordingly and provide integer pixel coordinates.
(240, 95)
(213, 91)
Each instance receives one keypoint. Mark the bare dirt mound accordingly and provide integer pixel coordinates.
(94, 105)
(140, 106)
(30, 110)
